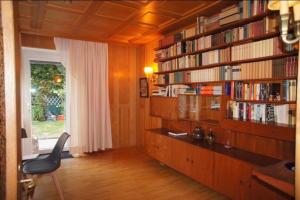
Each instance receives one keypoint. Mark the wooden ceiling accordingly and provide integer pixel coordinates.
(119, 21)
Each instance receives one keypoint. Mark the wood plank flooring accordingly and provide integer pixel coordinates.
(125, 174)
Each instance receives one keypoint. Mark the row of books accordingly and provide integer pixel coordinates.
(257, 49)
(170, 90)
(195, 60)
(187, 61)
(205, 75)
(199, 89)
(216, 56)
(244, 9)
(278, 68)
(252, 8)
(255, 91)
(264, 113)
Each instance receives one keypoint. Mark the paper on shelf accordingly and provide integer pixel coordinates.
(177, 134)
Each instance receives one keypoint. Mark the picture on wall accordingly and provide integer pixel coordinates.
(144, 87)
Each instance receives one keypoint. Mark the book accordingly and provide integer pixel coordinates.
(229, 19)
(231, 10)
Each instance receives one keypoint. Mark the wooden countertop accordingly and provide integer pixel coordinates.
(278, 176)
(253, 158)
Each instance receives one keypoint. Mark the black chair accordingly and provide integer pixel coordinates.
(48, 164)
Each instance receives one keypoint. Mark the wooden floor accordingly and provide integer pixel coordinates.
(121, 175)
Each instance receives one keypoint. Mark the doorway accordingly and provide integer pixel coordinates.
(47, 103)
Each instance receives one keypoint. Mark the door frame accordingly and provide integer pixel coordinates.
(11, 54)
(30, 54)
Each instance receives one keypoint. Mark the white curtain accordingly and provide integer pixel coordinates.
(87, 98)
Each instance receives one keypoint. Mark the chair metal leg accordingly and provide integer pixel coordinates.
(57, 185)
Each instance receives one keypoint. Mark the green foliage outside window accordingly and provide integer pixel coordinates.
(46, 80)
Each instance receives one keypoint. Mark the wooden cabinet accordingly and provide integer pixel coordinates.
(232, 177)
(260, 190)
(150, 144)
(202, 165)
(193, 161)
(180, 156)
(158, 147)
(225, 174)
(164, 107)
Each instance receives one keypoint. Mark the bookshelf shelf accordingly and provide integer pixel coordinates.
(265, 101)
(231, 63)
(223, 46)
(222, 28)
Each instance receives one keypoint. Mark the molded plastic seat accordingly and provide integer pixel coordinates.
(49, 163)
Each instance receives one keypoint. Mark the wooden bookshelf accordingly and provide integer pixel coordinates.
(222, 28)
(223, 46)
(231, 63)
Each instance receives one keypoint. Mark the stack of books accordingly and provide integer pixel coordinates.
(209, 89)
(229, 15)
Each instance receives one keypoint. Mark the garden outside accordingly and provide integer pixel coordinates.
(47, 129)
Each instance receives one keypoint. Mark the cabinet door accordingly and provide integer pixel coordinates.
(232, 177)
(180, 156)
(164, 107)
(163, 149)
(202, 165)
(260, 190)
(150, 144)
(155, 104)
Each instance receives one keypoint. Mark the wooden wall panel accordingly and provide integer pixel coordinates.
(144, 119)
(122, 88)
(37, 41)
(11, 55)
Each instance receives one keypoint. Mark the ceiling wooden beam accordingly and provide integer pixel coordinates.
(39, 10)
(94, 6)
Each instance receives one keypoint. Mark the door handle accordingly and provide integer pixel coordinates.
(29, 186)
(28, 180)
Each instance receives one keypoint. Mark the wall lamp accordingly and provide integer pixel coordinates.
(149, 72)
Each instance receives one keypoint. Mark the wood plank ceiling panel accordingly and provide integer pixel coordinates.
(121, 21)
